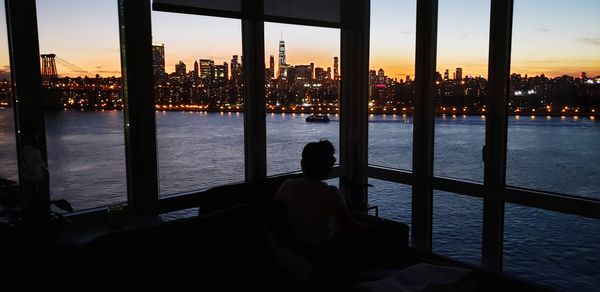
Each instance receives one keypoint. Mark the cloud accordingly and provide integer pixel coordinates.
(543, 29)
(594, 41)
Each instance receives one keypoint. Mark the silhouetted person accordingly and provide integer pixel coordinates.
(316, 212)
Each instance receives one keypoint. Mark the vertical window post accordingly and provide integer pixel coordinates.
(29, 112)
(423, 129)
(495, 137)
(140, 124)
(353, 100)
(253, 60)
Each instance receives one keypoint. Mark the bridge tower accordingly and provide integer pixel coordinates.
(49, 74)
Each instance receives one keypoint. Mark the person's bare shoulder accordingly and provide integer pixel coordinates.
(335, 195)
(281, 191)
(285, 188)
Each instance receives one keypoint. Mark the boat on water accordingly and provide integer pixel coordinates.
(317, 118)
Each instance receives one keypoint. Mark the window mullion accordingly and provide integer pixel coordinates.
(496, 129)
(423, 130)
(253, 58)
(29, 112)
(140, 124)
(353, 100)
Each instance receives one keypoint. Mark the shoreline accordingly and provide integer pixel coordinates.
(310, 112)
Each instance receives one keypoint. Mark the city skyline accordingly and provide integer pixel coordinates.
(306, 88)
(547, 38)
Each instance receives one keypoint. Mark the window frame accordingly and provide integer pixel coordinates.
(493, 190)
(140, 128)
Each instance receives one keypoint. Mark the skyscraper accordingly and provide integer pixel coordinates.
(271, 67)
(320, 73)
(282, 62)
(158, 63)
(372, 77)
(446, 75)
(236, 69)
(221, 72)
(458, 73)
(380, 75)
(336, 74)
(196, 70)
(301, 72)
(180, 68)
(207, 69)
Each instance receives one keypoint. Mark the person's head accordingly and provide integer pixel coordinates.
(318, 159)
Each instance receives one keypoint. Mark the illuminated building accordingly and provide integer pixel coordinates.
(282, 63)
(158, 63)
(180, 69)
(207, 68)
(336, 73)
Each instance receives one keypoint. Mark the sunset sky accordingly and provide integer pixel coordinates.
(553, 37)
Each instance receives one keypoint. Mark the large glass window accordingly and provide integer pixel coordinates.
(553, 131)
(81, 78)
(302, 80)
(457, 224)
(461, 88)
(554, 98)
(555, 249)
(392, 200)
(198, 97)
(8, 148)
(391, 83)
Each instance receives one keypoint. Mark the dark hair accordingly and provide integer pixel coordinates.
(318, 159)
